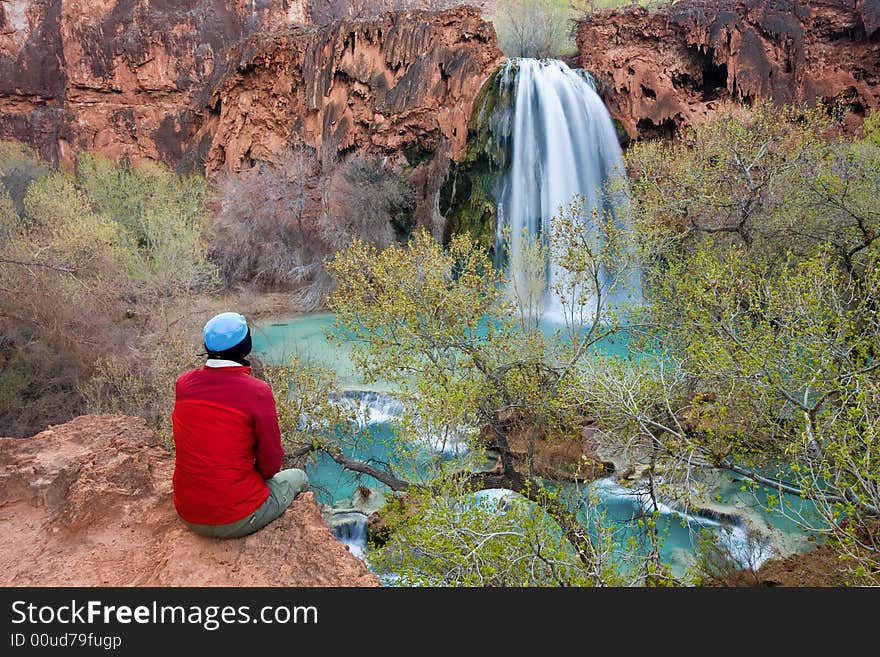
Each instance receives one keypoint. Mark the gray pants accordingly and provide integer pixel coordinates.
(283, 487)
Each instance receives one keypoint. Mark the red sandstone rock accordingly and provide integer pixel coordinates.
(117, 76)
(404, 79)
(182, 81)
(89, 503)
(671, 68)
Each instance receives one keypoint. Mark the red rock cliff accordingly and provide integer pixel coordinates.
(118, 76)
(661, 70)
(404, 79)
(191, 83)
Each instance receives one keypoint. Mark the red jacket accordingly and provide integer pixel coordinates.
(227, 442)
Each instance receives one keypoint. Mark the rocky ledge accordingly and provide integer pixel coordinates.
(89, 503)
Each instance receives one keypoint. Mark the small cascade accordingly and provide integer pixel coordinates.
(350, 528)
(496, 499)
(559, 142)
(371, 407)
(732, 532)
(448, 442)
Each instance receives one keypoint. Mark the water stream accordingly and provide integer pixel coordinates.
(729, 518)
(350, 527)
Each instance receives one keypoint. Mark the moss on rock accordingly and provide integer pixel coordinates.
(468, 197)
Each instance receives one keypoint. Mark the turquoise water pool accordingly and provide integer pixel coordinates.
(731, 515)
(306, 337)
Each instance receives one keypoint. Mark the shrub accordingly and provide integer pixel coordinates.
(80, 261)
(533, 28)
(144, 387)
(19, 167)
(163, 214)
(263, 235)
(871, 127)
(368, 200)
(277, 223)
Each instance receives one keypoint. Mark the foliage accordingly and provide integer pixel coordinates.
(871, 127)
(533, 28)
(367, 200)
(717, 564)
(36, 379)
(467, 198)
(322, 12)
(761, 234)
(767, 178)
(129, 194)
(10, 224)
(91, 265)
(582, 9)
(278, 222)
(162, 213)
(60, 268)
(442, 530)
(262, 235)
(465, 348)
(415, 281)
(19, 167)
(305, 399)
(756, 353)
(144, 389)
(459, 537)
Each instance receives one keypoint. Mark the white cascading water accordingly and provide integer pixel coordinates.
(563, 144)
(371, 407)
(351, 529)
(748, 552)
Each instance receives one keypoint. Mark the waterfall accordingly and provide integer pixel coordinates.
(371, 408)
(351, 529)
(560, 143)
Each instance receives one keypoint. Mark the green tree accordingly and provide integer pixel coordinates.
(761, 238)
(464, 347)
(452, 535)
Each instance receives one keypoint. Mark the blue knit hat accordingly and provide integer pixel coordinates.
(225, 331)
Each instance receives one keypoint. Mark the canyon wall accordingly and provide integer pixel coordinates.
(125, 77)
(208, 85)
(661, 70)
(405, 80)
